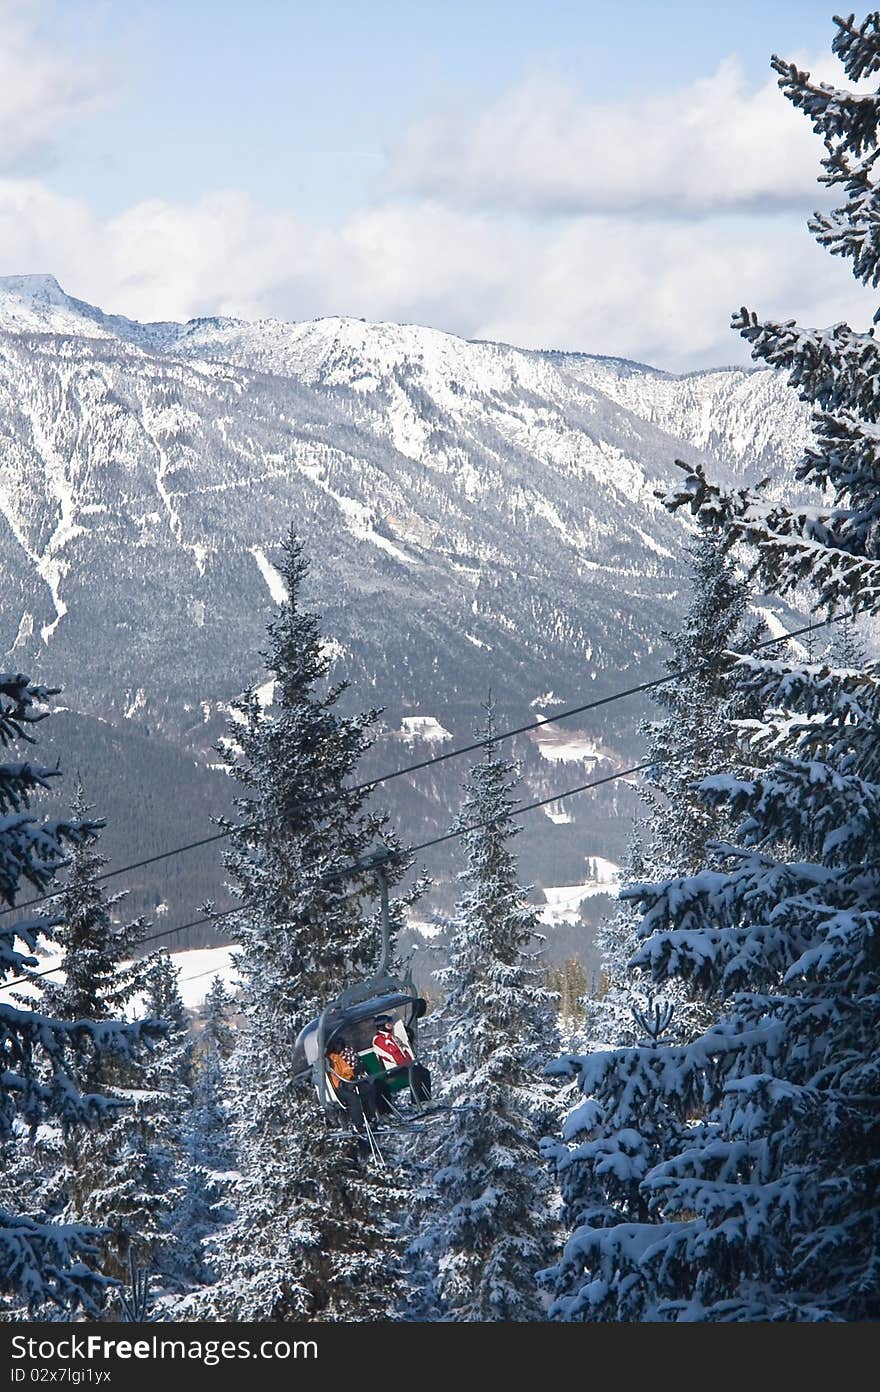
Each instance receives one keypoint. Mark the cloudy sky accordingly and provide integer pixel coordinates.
(569, 174)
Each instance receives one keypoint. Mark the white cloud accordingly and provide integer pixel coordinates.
(717, 144)
(652, 290)
(45, 85)
(643, 285)
(217, 255)
(649, 289)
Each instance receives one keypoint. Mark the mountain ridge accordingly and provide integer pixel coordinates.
(477, 515)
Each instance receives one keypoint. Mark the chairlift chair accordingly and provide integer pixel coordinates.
(352, 1014)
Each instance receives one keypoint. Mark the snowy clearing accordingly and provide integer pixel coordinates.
(423, 727)
(564, 901)
(423, 927)
(197, 967)
(559, 746)
(777, 628)
(274, 582)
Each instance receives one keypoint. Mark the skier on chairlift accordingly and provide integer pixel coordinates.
(360, 1095)
(392, 1047)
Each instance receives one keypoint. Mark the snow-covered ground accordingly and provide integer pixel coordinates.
(559, 745)
(197, 966)
(777, 629)
(564, 901)
(424, 927)
(274, 581)
(423, 727)
(602, 871)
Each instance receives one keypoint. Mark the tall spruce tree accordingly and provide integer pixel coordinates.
(209, 1156)
(765, 1204)
(210, 1143)
(694, 739)
(208, 1149)
(312, 1234)
(42, 1263)
(168, 1080)
(93, 981)
(487, 1225)
(124, 1177)
(192, 1208)
(87, 1173)
(608, 1014)
(217, 1036)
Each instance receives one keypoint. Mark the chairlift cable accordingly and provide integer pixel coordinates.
(392, 855)
(421, 764)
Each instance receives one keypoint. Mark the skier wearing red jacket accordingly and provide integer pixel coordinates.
(393, 1049)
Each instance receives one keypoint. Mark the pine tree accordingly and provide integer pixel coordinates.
(207, 1148)
(208, 1158)
(312, 1233)
(764, 1202)
(846, 648)
(210, 1143)
(121, 1176)
(568, 983)
(83, 1174)
(489, 1197)
(42, 1263)
(608, 1014)
(94, 983)
(695, 739)
(167, 1116)
(217, 1036)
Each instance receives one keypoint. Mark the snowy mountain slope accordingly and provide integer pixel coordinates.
(37, 304)
(478, 516)
(165, 481)
(462, 488)
(745, 420)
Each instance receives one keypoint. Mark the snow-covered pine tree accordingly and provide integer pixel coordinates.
(41, 1262)
(79, 1165)
(168, 1115)
(209, 1158)
(608, 1015)
(132, 1174)
(209, 1140)
(217, 1035)
(122, 1174)
(93, 982)
(488, 1207)
(199, 1213)
(207, 1144)
(766, 1204)
(846, 648)
(170, 1070)
(693, 740)
(312, 1235)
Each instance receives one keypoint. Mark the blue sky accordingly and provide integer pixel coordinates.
(299, 103)
(559, 175)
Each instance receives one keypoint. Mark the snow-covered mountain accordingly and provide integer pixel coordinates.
(478, 515)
